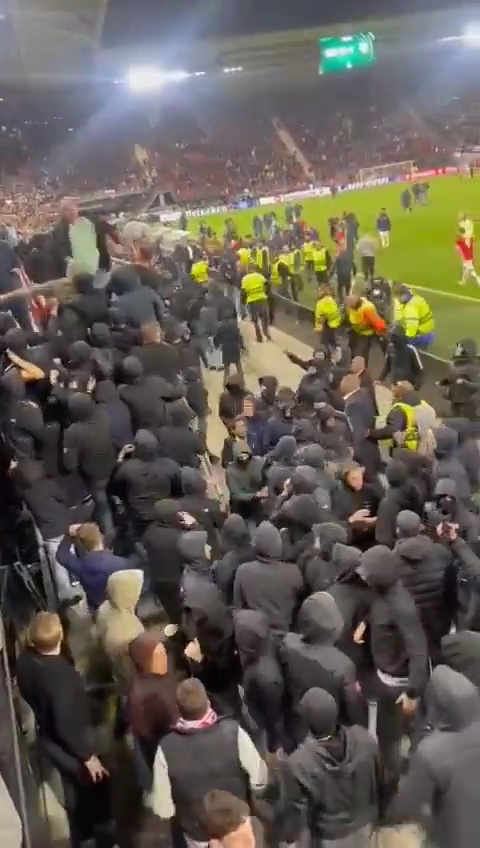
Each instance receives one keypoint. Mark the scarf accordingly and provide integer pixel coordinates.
(207, 720)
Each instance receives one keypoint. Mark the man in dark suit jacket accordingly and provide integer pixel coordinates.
(361, 414)
(359, 368)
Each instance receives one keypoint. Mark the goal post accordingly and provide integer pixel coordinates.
(390, 170)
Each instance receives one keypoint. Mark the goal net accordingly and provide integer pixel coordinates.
(390, 170)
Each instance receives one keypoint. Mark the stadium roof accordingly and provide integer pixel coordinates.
(58, 41)
(53, 38)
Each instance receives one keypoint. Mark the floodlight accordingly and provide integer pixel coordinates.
(471, 35)
(142, 78)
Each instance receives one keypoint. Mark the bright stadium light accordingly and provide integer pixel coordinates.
(232, 70)
(143, 78)
(471, 36)
(149, 78)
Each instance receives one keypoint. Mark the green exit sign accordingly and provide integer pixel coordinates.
(344, 53)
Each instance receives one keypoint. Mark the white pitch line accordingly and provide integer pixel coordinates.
(451, 295)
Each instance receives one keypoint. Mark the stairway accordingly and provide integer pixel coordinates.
(292, 147)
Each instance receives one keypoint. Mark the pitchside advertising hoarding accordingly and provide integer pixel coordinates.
(169, 216)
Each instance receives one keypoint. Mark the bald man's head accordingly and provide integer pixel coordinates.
(69, 209)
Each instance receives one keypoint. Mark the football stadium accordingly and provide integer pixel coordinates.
(422, 251)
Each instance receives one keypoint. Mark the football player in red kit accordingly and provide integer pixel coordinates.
(465, 249)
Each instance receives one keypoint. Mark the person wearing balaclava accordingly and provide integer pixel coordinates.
(462, 383)
(79, 377)
(331, 780)
(244, 478)
(22, 421)
(88, 451)
(105, 359)
(142, 478)
(124, 337)
(280, 422)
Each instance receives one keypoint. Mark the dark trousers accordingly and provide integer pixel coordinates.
(321, 277)
(368, 267)
(259, 316)
(103, 513)
(237, 364)
(344, 285)
(88, 808)
(170, 597)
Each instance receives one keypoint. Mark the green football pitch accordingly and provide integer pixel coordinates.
(422, 253)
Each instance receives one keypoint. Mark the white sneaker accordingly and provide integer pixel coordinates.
(170, 630)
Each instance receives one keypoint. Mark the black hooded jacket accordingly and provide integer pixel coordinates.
(397, 639)
(441, 791)
(424, 568)
(146, 478)
(262, 677)
(206, 511)
(402, 360)
(140, 304)
(310, 659)
(331, 780)
(161, 541)
(402, 495)
(87, 444)
(117, 413)
(267, 583)
(317, 563)
(236, 547)
(177, 440)
(144, 396)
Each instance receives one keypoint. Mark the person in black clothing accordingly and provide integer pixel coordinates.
(426, 570)
(117, 412)
(197, 397)
(230, 405)
(54, 690)
(88, 451)
(124, 337)
(144, 395)
(141, 304)
(143, 477)
(310, 658)
(88, 307)
(177, 440)
(22, 420)
(206, 511)
(157, 356)
(262, 679)
(402, 494)
(399, 651)
(402, 360)
(78, 376)
(236, 547)
(229, 340)
(331, 780)
(161, 541)
(105, 359)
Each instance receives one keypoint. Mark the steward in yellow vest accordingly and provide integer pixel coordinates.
(402, 422)
(321, 263)
(199, 272)
(254, 287)
(244, 255)
(413, 313)
(327, 315)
